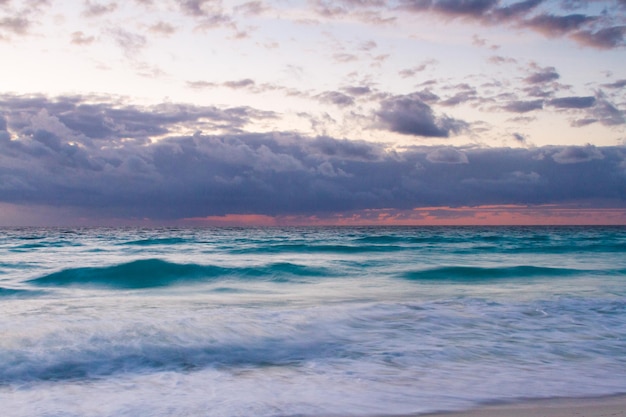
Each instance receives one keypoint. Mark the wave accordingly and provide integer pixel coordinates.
(44, 244)
(151, 273)
(461, 245)
(157, 241)
(17, 293)
(470, 273)
(114, 356)
(319, 248)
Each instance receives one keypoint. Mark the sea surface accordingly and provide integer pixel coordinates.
(307, 321)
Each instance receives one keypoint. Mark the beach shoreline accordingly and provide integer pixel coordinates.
(606, 406)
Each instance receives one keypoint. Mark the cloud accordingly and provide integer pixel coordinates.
(16, 25)
(252, 8)
(112, 160)
(410, 115)
(597, 31)
(466, 94)
(606, 38)
(410, 72)
(245, 83)
(335, 97)
(572, 102)
(209, 14)
(97, 9)
(515, 10)
(577, 154)
(447, 156)
(344, 57)
(523, 106)
(543, 76)
(499, 60)
(100, 119)
(131, 43)
(201, 84)
(199, 7)
(79, 38)
(519, 138)
(616, 84)
(358, 90)
(607, 113)
(552, 25)
(463, 7)
(162, 28)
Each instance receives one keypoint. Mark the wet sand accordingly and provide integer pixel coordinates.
(613, 406)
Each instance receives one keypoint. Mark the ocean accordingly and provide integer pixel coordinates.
(342, 321)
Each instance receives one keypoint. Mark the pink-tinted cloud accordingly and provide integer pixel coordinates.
(488, 215)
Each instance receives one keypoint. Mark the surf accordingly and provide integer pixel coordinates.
(153, 273)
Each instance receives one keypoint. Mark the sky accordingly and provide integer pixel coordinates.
(281, 112)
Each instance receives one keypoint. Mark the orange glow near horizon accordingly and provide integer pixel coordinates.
(489, 215)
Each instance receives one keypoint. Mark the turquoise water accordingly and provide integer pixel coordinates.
(307, 321)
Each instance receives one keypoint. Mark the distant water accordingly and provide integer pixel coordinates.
(307, 321)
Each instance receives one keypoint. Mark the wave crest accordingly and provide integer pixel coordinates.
(470, 273)
(151, 273)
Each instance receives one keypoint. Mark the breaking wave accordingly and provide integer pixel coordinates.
(150, 273)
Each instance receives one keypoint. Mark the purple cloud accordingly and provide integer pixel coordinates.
(543, 76)
(552, 25)
(73, 152)
(577, 154)
(606, 38)
(572, 102)
(447, 156)
(412, 116)
(523, 106)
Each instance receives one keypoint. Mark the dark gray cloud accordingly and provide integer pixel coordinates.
(607, 113)
(208, 14)
(335, 97)
(523, 106)
(410, 115)
(104, 159)
(616, 84)
(598, 31)
(464, 7)
(516, 10)
(544, 75)
(519, 138)
(447, 156)
(358, 90)
(577, 154)
(452, 8)
(98, 119)
(558, 25)
(466, 94)
(606, 38)
(573, 102)
(199, 7)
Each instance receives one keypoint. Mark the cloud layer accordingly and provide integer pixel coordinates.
(101, 157)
